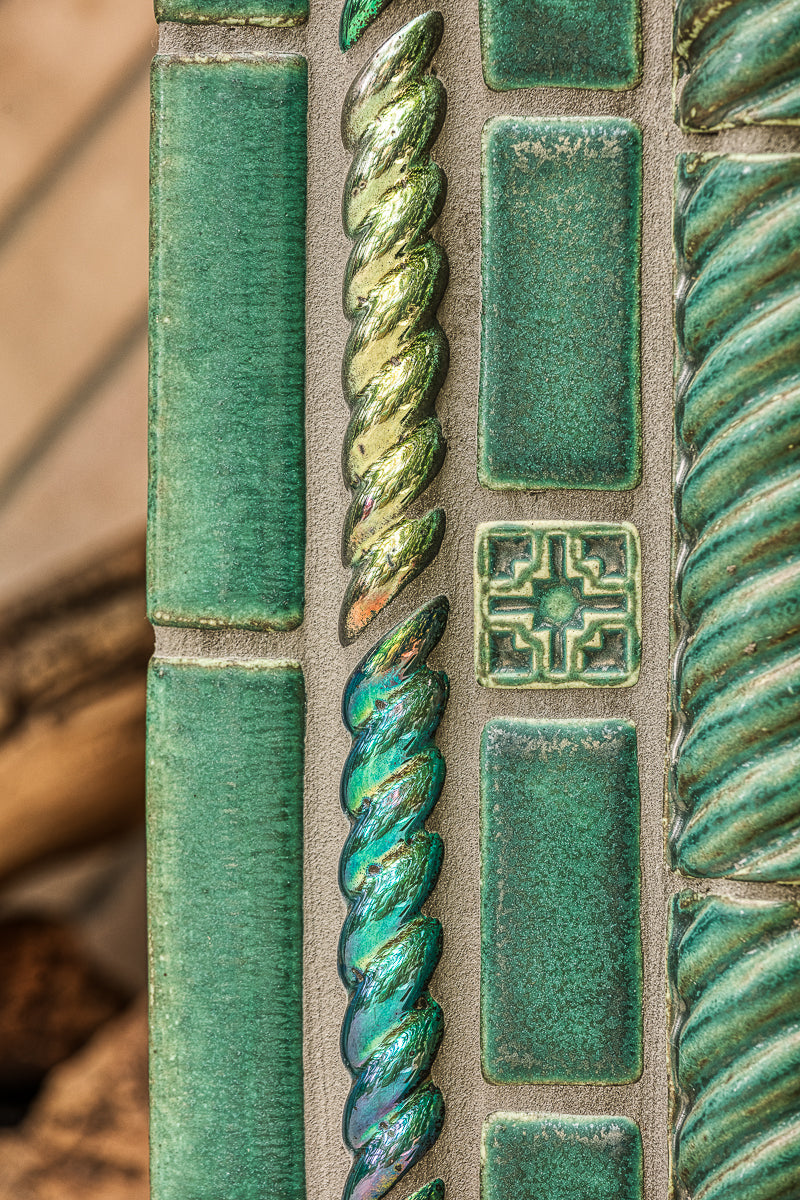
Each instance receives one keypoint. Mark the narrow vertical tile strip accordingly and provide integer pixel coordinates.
(735, 754)
(225, 874)
(561, 958)
(560, 378)
(356, 16)
(233, 12)
(737, 63)
(558, 1157)
(734, 968)
(558, 43)
(389, 949)
(396, 355)
(227, 335)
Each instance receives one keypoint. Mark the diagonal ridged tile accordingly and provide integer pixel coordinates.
(737, 63)
(735, 777)
(734, 974)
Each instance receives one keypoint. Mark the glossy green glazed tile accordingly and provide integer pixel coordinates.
(737, 63)
(233, 12)
(561, 959)
(734, 974)
(356, 16)
(734, 783)
(225, 880)
(561, 43)
(227, 342)
(526, 1156)
(560, 379)
(557, 604)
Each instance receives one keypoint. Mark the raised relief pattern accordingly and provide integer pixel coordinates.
(557, 605)
(356, 16)
(396, 355)
(735, 755)
(735, 1051)
(737, 62)
(389, 948)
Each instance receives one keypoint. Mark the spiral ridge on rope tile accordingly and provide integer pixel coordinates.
(734, 970)
(735, 748)
(389, 948)
(737, 63)
(396, 356)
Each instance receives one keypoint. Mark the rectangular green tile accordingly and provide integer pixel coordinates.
(225, 878)
(234, 12)
(227, 336)
(561, 43)
(561, 965)
(560, 376)
(551, 1157)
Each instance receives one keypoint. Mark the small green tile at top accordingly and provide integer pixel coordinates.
(557, 604)
(561, 956)
(527, 1156)
(560, 379)
(561, 43)
(233, 12)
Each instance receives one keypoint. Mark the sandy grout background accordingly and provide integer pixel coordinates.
(456, 900)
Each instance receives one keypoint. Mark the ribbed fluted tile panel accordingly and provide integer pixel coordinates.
(735, 755)
(737, 63)
(734, 968)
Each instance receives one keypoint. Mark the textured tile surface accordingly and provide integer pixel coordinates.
(560, 380)
(561, 967)
(735, 1010)
(558, 43)
(225, 874)
(739, 63)
(735, 779)
(553, 1157)
(227, 491)
(557, 604)
(233, 12)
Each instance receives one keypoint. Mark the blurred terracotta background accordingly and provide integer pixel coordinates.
(73, 289)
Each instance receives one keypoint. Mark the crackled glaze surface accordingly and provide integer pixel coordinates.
(397, 354)
(735, 753)
(734, 971)
(389, 948)
(557, 604)
(737, 63)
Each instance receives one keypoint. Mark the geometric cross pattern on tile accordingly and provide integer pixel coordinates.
(557, 604)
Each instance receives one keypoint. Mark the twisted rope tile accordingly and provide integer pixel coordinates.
(396, 355)
(735, 1054)
(735, 777)
(389, 949)
(741, 62)
(356, 16)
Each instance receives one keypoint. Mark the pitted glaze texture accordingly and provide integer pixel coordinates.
(735, 749)
(396, 356)
(389, 948)
(734, 968)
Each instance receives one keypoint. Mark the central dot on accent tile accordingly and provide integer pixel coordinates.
(558, 605)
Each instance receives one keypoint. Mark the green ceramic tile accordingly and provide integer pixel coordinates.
(736, 63)
(734, 786)
(560, 380)
(233, 12)
(734, 973)
(225, 877)
(561, 43)
(552, 1157)
(227, 327)
(561, 962)
(557, 604)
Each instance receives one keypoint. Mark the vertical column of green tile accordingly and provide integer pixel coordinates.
(561, 43)
(560, 374)
(227, 489)
(225, 836)
(561, 959)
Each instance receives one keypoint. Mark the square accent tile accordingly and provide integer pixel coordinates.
(557, 604)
